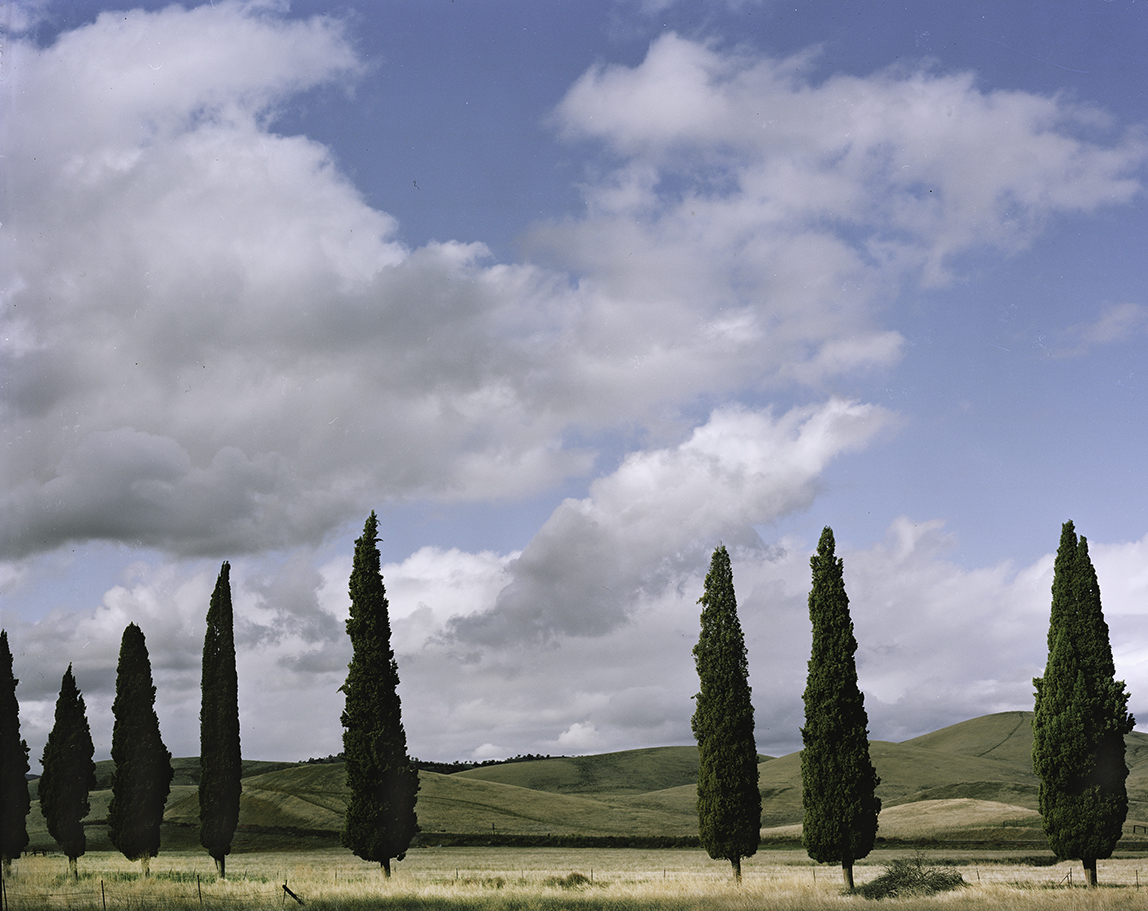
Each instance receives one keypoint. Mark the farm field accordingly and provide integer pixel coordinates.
(509, 879)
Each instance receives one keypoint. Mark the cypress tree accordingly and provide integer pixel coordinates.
(14, 800)
(69, 772)
(1080, 719)
(728, 802)
(221, 766)
(838, 780)
(380, 820)
(142, 773)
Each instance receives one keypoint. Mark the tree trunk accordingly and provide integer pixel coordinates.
(145, 866)
(221, 866)
(385, 863)
(1090, 872)
(7, 867)
(73, 868)
(736, 861)
(847, 874)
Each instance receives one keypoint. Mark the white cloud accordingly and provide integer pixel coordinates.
(937, 644)
(213, 346)
(1114, 324)
(217, 347)
(660, 511)
(580, 737)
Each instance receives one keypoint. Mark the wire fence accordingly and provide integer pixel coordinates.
(120, 895)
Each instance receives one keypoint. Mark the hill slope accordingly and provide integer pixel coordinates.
(971, 781)
(629, 772)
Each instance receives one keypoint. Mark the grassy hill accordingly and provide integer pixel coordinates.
(629, 772)
(971, 781)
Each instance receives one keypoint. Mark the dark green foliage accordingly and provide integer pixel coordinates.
(219, 755)
(14, 800)
(69, 772)
(909, 876)
(1081, 718)
(143, 770)
(380, 821)
(729, 803)
(837, 777)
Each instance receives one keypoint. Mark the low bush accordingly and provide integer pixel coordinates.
(910, 876)
(570, 881)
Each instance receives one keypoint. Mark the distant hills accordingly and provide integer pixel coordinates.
(970, 782)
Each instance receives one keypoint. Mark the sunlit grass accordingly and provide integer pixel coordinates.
(501, 879)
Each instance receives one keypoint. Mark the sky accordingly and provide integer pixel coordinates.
(569, 293)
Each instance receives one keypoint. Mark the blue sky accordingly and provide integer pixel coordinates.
(568, 293)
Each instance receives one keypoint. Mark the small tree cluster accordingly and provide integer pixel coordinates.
(142, 773)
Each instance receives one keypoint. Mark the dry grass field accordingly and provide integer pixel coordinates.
(507, 879)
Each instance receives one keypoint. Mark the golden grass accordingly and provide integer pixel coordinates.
(500, 879)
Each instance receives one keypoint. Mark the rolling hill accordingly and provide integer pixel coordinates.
(971, 781)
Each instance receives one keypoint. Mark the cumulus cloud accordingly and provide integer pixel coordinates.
(212, 347)
(659, 512)
(923, 165)
(937, 643)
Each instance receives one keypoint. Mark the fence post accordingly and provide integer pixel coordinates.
(103, 896)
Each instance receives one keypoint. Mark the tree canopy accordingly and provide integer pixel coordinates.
(221, 765)
(14, 799)
(837, 776)
(142, 775)
(728, 802)
(1081, 717)
(380, 820)
(69, 773)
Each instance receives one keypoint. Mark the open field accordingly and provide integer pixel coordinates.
(505, 879)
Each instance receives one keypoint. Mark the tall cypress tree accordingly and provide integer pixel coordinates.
(729, 802)
(69, 772)
(1080, 719)
(14, 800)
(838, 780)
(380, 820)
(221, 766)
(142, 775)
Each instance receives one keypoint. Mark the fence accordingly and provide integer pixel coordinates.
(113, 896)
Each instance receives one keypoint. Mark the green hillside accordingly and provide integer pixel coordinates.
(971, 781)
(629, 772)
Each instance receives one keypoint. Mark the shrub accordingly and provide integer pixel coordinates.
(570, 881)
(910, 876)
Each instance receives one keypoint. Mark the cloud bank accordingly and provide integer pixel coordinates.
(213, 347)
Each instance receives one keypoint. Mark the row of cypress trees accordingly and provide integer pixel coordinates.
(380, 822)
(142, 769)
(1079, 723)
